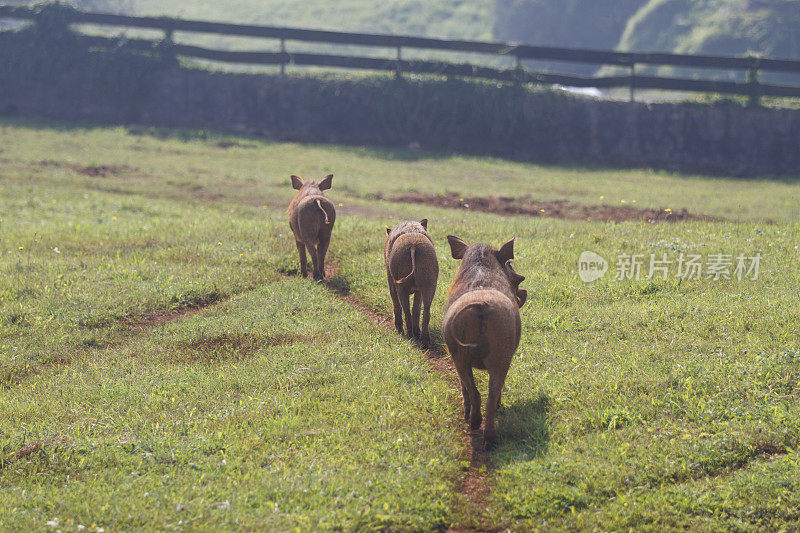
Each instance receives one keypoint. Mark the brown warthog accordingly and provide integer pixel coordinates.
(411, 268)
(311, 217)
(482, 324)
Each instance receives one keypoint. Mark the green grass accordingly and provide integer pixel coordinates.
(630, 404)
(236, 417)
(452, 18)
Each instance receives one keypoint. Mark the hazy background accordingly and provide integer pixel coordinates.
(769, 27)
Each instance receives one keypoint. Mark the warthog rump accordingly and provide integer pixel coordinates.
(411, 268)
(482, 324)
(311, 217)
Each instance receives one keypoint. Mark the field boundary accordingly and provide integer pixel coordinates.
(51, 16)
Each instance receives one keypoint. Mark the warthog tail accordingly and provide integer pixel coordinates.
(327, 220)
(413, 267)
(479, 348)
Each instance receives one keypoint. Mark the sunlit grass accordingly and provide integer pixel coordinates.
(630, 404)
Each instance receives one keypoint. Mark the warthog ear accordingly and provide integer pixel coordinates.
(326, 182)
(522, 296)
(515, 278)
(457, 247)
(506, 252)
(424, 223)
(297, 183)
(388, 230)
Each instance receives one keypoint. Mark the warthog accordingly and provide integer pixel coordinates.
(311, 217)
(482, 324)
(411, 268)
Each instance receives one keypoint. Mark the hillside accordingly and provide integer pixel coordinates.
(725, 27)
(595, 24)
(730, 27)
(443, 18)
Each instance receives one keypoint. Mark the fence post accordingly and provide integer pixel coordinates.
(53, 20)
(283, 56)
(633, 82)
(165, 47)
(754, 99)
(519, 69)
(398, 73)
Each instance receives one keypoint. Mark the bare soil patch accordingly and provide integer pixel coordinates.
(103, 170)
(29, 450)
(563, 209)
(95, 171)
(232, 144)
(227, 347)
(167, 316)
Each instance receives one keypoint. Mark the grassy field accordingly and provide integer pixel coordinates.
(160, 369)
(449, 18)
(453, 19)
(457, 19)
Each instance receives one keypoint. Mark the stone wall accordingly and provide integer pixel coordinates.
(453, 116)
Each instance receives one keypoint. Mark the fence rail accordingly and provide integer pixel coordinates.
(752, 66)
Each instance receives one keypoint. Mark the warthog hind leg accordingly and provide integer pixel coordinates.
(415, 314)
(496, 379)
(424, 331)
(397, 309)
(312, 250)
(322, 250)
(405, 303)
(301, 250)
(472, 398)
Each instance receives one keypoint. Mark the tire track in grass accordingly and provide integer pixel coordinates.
(129, 326)
(473, 485)
(132, 326)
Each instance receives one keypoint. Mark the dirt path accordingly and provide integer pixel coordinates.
(473, 485)
(563, 209)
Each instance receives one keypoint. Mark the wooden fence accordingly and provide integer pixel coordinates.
(752, 66)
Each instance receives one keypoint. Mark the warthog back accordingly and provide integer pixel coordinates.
(411, 268)
(311, 217)
(482, 325)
